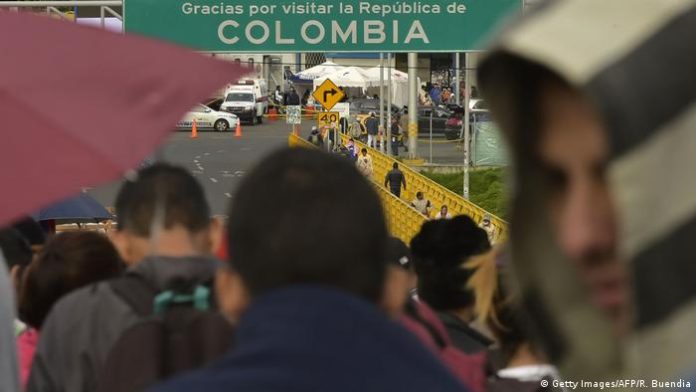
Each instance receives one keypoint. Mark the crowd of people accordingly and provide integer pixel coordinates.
(303, 289)
(151, 303)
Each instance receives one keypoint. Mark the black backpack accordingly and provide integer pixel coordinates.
(180, 329)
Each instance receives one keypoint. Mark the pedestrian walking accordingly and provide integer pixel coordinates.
(291, 98)
(372, 125)
(488, 228)
(421, 204)
(443, 213)
(315, 138)
(395, 180)
(364, 163)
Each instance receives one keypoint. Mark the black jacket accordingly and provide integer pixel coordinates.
(463, 336)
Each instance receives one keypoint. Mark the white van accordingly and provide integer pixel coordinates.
(248, 99)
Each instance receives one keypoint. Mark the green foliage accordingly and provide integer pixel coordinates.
(486, 187)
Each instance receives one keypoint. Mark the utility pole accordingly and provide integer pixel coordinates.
(412, 105)
(467, 91)
(381, 99)
(389, 103)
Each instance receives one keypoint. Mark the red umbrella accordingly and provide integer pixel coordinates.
(79, 106)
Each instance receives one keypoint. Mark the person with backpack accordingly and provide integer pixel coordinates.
(157, 320)
(315, 138)
(69, 261)
(310, 318)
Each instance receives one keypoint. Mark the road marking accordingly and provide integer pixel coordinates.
(213, 179)
(198, 157)
(221, 151)
(206, 154)
(195, 161)
(228, 195)
(198, 172)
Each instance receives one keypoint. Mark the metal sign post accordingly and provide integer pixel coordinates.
(467, 91)
(412, 105)
(389, 104)
(381, 100)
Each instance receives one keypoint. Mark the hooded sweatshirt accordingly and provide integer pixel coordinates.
(635, 61)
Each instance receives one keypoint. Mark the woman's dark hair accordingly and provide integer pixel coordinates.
(440, 250)
(509, 323)
(68, 262)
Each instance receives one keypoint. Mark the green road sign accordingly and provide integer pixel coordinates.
(320, 25)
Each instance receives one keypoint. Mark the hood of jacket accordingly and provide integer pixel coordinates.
(633, 62)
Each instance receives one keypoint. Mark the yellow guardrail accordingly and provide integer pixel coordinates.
(436, 193)
(403, 221)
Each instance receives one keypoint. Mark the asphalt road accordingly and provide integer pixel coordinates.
(220, 161)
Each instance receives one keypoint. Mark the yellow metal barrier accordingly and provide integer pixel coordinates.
(436, 193)
(404, 221)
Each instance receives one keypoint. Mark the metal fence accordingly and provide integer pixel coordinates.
(106, 7)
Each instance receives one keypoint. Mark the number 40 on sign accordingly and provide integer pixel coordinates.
(328, 118)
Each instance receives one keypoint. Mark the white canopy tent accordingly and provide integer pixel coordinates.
(399, 84)
(349, 77)
(320, 70)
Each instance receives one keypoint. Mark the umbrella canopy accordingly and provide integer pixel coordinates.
(349, 77)
(319, 71)
(79, 208)
(80, 106)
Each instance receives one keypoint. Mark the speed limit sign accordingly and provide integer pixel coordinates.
(328, 118)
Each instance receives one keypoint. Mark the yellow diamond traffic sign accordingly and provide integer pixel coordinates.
(328, 94)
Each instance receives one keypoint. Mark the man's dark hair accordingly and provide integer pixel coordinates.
(363, 149)
(395, 165)
(306, 217)
(440, 250)
(162, 186)
(15, 248)
(69, 261)
(31, 230)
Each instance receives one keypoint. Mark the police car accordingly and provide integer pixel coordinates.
(207, 118)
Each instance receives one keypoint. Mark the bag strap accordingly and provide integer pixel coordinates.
(136, 292)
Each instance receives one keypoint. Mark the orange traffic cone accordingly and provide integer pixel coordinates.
(238, 131)
(194, 130)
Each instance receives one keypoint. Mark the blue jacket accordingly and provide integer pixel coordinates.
(304, 338)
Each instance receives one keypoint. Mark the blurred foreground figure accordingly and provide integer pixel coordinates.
(69, 261)
(597, 100)
(9, 371)
(126, 333)
(307, 308)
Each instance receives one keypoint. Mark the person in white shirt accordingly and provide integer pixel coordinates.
(421, 204)
(364, 163)
(443, 213)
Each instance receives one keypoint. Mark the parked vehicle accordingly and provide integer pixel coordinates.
(207, 118)
(248, 99)
(367, 106)
(242, 101)
(440, 118)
